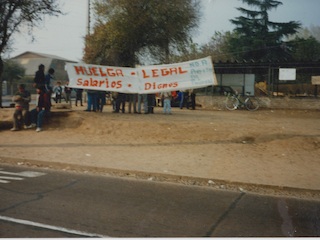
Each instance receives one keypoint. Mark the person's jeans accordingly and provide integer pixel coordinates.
(166, 105)
(181, 100)
(92, 101)
(37, 117)
(132, 101)
(143, 98)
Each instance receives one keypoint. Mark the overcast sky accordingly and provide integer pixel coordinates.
(64, 36)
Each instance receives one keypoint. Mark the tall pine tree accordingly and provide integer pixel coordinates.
(258, 38)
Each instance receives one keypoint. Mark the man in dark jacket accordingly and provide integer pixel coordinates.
(40, 79)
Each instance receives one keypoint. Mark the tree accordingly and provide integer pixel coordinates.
(126, 28)
(119, 33)
(305, 33)
(17, 13)
(259, 38)
(12, 71)
(305, 49)
(173, 22)
(218, 46)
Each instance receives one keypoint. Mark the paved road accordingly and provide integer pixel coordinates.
(44, 203)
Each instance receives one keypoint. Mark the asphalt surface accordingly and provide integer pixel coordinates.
(45, 203)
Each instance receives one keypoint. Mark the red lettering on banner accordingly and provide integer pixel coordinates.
(181, 71)
(159, 86)
(80, 70)
(102, 74)
(162, 72)
(99, 83)
(114, 73)
(155, 73)
(98, 71)
(144, 74)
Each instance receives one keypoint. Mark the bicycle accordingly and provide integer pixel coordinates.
(233, 102)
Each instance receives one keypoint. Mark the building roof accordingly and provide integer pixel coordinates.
(31, 61)
(29, 54)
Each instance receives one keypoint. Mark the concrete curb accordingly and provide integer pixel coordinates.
(169, 178)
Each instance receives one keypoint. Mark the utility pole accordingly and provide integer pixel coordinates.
(89, 20)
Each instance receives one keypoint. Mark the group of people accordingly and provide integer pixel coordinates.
(134, 102)
(137, 103)
(22, 117)
(97, 100)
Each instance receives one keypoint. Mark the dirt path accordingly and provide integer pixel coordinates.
(269, 147)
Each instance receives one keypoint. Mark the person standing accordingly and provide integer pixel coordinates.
(48, 81)
(181, 98)
(192, 99)
(184, 101)
(58, 91)
(92, 101)
(151, 98)
(79, 92)
(142, 98)
(101, 100)
(21, 114)
(67, 91)
(120, 102)
(40, 79)
(132, 101)
(114, 96)
(166, 96)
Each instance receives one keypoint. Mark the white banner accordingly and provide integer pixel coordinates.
(146, 79)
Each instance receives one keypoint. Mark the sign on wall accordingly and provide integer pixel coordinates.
(287, 74)
(315, 80)
(146, 79)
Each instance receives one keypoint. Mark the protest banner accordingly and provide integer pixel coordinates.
(146, 79)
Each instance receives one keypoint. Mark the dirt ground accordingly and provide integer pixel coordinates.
(268, 147)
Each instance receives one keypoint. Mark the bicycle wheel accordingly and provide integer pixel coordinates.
(232, 103)
(252, 103)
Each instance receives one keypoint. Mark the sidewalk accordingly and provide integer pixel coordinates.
(238, 161)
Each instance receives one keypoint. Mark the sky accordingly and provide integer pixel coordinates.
(63, 36)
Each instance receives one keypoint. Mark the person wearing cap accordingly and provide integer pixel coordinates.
(22, 99)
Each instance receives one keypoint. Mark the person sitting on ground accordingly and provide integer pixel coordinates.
(43, 109)
(22, 99)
